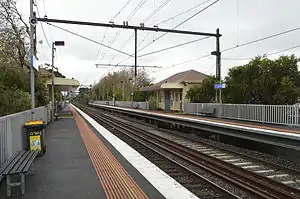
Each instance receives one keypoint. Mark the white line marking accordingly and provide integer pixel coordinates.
(278, 175)
(225, 157)
(242, 163)
(288, 182)
(251, 166)
(264, 171)
(232, 160)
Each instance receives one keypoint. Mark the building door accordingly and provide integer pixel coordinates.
(167, 100)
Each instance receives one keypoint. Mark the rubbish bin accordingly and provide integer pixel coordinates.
(35, 131)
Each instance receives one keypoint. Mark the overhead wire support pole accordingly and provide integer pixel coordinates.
(155, 29)
(31, 54)
(52, 77)
(135, 63)
(135, 52)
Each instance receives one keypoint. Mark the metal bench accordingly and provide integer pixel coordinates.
(18, 164)
(207, 111)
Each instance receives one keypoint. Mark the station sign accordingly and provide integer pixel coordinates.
(220, 86)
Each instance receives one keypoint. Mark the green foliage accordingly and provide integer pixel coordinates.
(84, 96)
(152, 102)
(203, 93)
(264, 81)
(14, 63)
(112, 83)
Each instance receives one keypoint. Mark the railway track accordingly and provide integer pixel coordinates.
(210, 160)
(275, 171)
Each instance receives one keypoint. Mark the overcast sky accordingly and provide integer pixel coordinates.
(238, 22)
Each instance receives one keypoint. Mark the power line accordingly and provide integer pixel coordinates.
(150, 16)
(171, 47)
(144, 21)
(135, 10)
(261, 39)
(177, 15)
(121, 10)
(89, 39)
(38, 12)
(124, 65)
(46, 15)
(127, 18)
(111, 21)
(172, 29)
(183, 22)
(156, 10)
(267, 54)
(244, 44)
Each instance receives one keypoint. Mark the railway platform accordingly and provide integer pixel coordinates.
(278, 135)
(84, 160)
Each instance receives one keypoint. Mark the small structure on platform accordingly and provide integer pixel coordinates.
(171, 92)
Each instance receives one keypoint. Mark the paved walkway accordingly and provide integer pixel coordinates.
(78, 164)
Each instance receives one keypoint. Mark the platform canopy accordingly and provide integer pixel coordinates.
(64, 84)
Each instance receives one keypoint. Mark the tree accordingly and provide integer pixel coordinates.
(204, 92)
(14, 63)
(264, 81)
(112, 83)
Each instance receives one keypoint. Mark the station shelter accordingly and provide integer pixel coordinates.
(171, 92)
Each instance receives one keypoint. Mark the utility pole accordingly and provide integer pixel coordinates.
(123, 89)
(219, 62)
(217, 53)
(33, 22)
(53, 97)
(56, 43)
(135, 64)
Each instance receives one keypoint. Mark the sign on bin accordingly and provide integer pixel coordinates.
(35, 136)
(35, 141)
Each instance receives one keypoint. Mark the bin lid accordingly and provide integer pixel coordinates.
(36, 122)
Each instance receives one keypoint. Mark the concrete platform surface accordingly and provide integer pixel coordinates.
(68, 169)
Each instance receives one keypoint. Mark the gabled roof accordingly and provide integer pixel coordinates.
(190, 76)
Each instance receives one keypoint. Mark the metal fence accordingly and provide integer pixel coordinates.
(12, 134)
(127, 104)
(275, 114)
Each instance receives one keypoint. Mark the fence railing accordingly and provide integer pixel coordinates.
(275, 114)
(12, 134)
(127, 104)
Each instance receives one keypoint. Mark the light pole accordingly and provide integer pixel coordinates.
(130, 79)
(56, 43)
(113, 87)
(123, 89)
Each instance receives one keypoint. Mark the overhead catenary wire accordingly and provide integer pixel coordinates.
(180, 24)
(86, 38)
(127, 18)
(38, 12)
(124, 6)
(266, 54)
(244, 44)
(186, 20)
(179, 14)
(106, 30)
(155, 11)
(262, 39)
(175, 46)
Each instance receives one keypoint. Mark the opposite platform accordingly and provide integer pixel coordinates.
(274, 135)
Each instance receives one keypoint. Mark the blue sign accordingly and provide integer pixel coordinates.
(219, 86)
